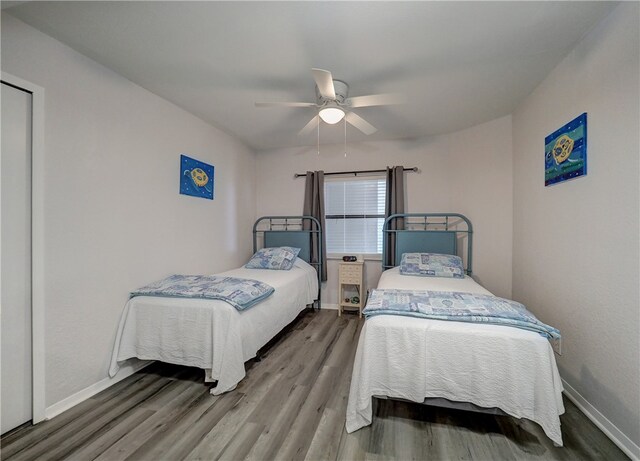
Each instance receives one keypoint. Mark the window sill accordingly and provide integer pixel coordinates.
(370, 257)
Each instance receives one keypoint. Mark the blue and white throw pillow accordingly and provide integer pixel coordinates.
(276, 258)
(431, 265)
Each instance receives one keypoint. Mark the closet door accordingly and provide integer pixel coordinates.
(15, 253)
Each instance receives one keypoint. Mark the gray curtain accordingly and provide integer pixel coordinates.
(314, 206)
(394, 203)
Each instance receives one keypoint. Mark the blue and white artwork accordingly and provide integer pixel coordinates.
(196, 178)
(565, 152)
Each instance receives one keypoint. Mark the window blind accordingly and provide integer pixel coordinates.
(354, 215)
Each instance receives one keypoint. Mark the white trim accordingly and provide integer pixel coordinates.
(367, 257)
(610, 430)
(88, 392)
(37, 242)
(355, 177)
(330, 306)
(334, 307)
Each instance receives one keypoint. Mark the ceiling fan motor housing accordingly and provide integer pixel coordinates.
(342, 91)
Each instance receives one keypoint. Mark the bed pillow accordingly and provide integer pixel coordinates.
(431, 265)
(276, 258)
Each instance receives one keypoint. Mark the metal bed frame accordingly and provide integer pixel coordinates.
(417, 234)
(302, 232)
(434, 233)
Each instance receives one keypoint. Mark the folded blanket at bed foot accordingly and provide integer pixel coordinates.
(456, 306)
(240, 293)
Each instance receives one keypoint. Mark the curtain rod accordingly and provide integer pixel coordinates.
(355, 173)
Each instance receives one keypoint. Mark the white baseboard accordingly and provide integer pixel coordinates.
(88, 392)
(610, 430)
(334, 307)
(330, 306)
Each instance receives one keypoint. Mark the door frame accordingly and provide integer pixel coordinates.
(37, 244)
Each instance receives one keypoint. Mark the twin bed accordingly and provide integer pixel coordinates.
(472, 366)
(213, 335)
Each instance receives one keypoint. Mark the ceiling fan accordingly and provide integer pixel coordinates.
(334, 104)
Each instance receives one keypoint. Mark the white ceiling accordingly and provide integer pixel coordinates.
(459, 63)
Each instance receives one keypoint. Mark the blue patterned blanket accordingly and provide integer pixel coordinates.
(240, 293)
(456, 306)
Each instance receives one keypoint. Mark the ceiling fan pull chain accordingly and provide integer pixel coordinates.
(345, 138)
(318, 136)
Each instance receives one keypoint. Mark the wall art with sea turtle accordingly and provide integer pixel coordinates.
(565, 152)
(196, 177)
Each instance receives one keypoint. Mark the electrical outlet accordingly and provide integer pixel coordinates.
(556, 345)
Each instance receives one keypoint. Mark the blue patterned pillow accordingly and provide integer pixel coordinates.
(431, 265)
(277, 258)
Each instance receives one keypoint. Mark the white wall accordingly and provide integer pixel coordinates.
(576, 253)
(480, 161)
(113, 217)
(468, 172)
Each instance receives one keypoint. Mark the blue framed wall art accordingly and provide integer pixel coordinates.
(565, 152)
(196, 177)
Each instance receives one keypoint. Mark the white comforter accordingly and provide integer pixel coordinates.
(487, 365)
(211, 334)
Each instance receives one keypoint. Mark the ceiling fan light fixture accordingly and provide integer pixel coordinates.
(331, 115)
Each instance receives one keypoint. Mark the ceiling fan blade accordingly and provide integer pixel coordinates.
(377, 100)
(324, 80)
(285, 104)
(308, 128)
(360, 123)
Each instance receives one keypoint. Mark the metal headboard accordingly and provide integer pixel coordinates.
(428, 233)
(302, 232)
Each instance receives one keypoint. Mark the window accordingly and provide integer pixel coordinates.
(354, 214)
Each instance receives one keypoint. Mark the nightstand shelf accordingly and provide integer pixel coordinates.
(350, 285)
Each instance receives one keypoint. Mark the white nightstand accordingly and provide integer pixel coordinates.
(350, 284)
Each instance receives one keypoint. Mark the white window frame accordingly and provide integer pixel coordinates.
(367, 256)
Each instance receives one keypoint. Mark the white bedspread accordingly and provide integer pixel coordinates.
(211, 334)
(488, 365)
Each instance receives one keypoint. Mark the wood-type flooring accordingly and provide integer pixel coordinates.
(290, 406)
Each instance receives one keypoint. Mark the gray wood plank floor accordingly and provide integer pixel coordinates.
(291, 406)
